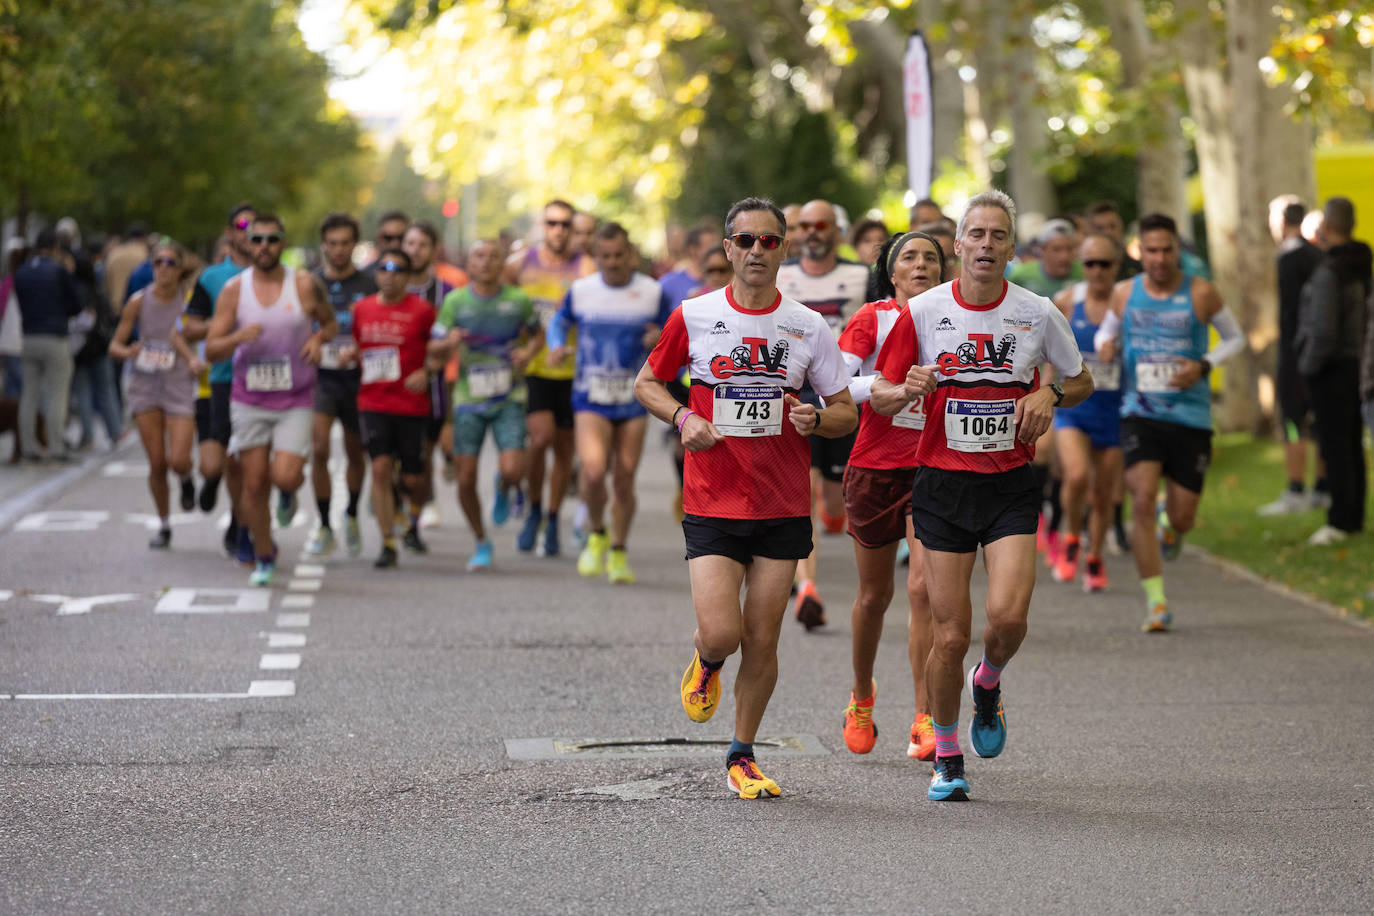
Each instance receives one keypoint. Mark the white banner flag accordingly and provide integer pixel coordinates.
(920, 117)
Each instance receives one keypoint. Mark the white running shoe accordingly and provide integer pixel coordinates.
(1325, 536)
(1288, 503)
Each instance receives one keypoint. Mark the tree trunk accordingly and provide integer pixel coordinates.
(1030, 183)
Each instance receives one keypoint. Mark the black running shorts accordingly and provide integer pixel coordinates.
(955, 511)
(397, 435)
(1184, 452)
(550, 394)
(336, 395)
(743, 539)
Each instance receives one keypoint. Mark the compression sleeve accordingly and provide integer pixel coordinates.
(1107, 330)
(557, 333)
(861, 388)
(1232, 340)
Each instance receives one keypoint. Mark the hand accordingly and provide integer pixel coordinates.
(1188, 374)
(698, 433)
(805, 418)
(520, 358)
(250, 332)
(195, 365)
(559, 354)
(417, 381)
(920, 381)
(1107, 353)
(1034, 414)
(133, 349)
(652, 333)
(311, 351)
(348, 355)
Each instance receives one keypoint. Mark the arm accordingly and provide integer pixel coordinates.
(221, 339)
(838, 418)
(510, 274)
(314, 298)
(556, 336)
(1035, 411)
(1105, 341)
(195, 321)
(900, 381)
(1208, 307)
(120, 348)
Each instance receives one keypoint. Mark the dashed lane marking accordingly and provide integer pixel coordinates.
(285, 640)
(293, 620)
(304, 585)
(280, 661)
(256, 689)
(298, 601)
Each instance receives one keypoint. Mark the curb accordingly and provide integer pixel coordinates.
(1278, 588)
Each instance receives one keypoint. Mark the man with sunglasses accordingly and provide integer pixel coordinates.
(545, 272)
(746, 490)
(833, 287)
(336, 390)
(391, 229)
(265, 322)
(686, 280)
(212, 398)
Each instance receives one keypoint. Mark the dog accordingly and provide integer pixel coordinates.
(9, 423)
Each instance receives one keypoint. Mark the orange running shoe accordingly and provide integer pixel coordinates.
(1066, 567)
(747, 781)
(833, 524)
(1094, 576)
(922, 746)
(860, 734)
(810, 612)
(700, 690)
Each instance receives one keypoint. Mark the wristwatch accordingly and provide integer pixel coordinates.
(1058, 390)
(1206, 367)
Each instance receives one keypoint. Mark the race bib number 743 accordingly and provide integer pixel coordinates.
(747, 410)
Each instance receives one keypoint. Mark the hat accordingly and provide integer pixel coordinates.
(1055, 229)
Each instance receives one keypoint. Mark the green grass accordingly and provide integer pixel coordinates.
(1245, 474)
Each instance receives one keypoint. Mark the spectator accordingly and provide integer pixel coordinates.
(1297, 259)
(867, 238)
(48, 300)
(11, 332)
(1056, 266)
(1330, 335)
(93, 379)
(121, 262)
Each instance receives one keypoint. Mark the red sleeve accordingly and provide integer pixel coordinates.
(670, 353)
(899, 351)
(860, 335)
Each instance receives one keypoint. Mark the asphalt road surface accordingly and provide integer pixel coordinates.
(424, 739)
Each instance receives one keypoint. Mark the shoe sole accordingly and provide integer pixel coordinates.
(761, 793)
(996, 753)
(957, 794)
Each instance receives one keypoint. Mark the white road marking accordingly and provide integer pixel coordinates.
(298, 601)
(304, 585)
(255, 689)
(280, 661)
(63, 520)
(221, 601)
(124, 469)
(272, 689)
(293, 620)
(308, 570)
(153, 523)
(68, 605)
(285, 640)
(4, 595)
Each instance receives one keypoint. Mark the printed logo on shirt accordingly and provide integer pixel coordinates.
(978, 354)
(752, 358)
(798, 333)
(720, 328)
(1021, 321)
(945, 325)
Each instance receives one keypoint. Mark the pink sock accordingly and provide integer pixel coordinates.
(946, 740)
(987, 675)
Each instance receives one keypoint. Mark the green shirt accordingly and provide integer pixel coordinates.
(1030, 276)
(492, 328)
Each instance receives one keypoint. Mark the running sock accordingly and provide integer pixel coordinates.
(353, 497)
(1295, 486)
(711, 666)
(1154, 590)
(323, 505)
(389, 542)
(1319, 486)
(988, 675)
(739, 749)
(1071, 542)
(946, 739)
(1094, 565)
(165, 523)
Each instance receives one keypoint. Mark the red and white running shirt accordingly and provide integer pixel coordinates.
(884, 443)
(987, 359)
(742, 362)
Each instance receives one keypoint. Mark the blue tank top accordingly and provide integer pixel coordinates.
(1155, 334)
(1106, 396)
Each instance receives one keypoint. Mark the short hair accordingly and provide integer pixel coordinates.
(397, 253)
(558, 202)
(1339, 214)
(1098, 207)
(269, 218)
(609, 231)
(1116, 246)
(939, 229)
(392, 216)
(993, 198)
(1055, 229)
(340, 221)
(138, 229)
(47, 239)
(1293, 214)
(865, 226)
(425, 226)
(1152, 222)
(242, 207)
(697, 234)
(750, 205)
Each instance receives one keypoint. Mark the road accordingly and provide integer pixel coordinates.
(349, 741)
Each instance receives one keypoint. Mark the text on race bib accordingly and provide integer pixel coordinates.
(271, 373)
(912, 416)
(1106, 376)
(381, 364)
(330, 353)
(1154, 373)
(980, 426)
(747, 410)
(610, 388)
(491, 380)
(155, 356)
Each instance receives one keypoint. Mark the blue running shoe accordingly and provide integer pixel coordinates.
(286, 509)
(903, 553)
(529, 532)
(245, 555)
(481, 559)
(517, 508)
(947, 782)
(988, 730)
(500, 507)
(550, 547)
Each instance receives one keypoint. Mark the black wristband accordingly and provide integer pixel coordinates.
(1206, 367)
(673, 421)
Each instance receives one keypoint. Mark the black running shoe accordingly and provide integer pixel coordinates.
(412, 541)
(209, 495)
(162, 540)
(188, 495)
(231, 539)
(386, 559)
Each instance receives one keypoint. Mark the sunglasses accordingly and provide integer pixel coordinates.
(557, 223)
(746, 240)
(717, 270)
(165, 262)
(1097, 263)
(819, 225)
(391, 267)
(242, 224)
(391, 238)
(271, 238)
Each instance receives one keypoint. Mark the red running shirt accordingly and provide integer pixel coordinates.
(881, 444)
(392, 340)
(741, 363)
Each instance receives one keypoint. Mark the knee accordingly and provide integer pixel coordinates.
(593, 475)
(157, 468)
(1076, 480)
(182, 466)
(319, 454)
(873, 601)
(625, 486)
(951, 642)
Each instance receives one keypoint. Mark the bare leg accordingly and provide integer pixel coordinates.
(150, 431)
(628, 441)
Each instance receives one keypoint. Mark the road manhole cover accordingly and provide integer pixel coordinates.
(570, 748)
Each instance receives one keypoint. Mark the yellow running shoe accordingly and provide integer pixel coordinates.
(747, 781)
(700, 690)
(592, 562)
(618, 568)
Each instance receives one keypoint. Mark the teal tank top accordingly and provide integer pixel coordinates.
(1155, 334)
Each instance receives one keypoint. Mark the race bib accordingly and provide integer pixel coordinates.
(912, 416)
(490, 380)
(747, 410)
(980, 426)
(269, 374)
(155, 356)
(609, 388)
(1153, 373)
(330, 353)
(1106, 376)
(381, 364)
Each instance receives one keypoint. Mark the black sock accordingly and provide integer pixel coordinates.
(1295, 486)
(712, 666)
(1319, 486)
(353, 496)
(324, 511)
